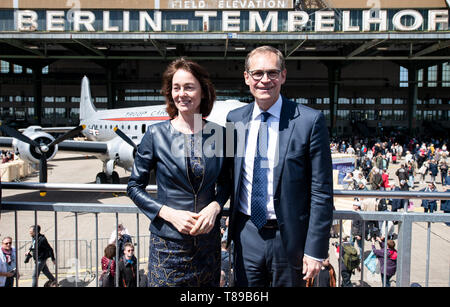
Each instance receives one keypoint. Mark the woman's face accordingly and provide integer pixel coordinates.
(186, 92)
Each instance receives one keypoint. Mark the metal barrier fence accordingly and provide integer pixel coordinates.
(405, 221)
(66, 252)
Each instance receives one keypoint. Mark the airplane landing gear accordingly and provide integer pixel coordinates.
(115, 178)
(102, 178)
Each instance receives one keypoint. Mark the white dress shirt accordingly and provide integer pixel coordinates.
(250, 153)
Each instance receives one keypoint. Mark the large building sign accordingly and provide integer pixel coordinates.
(224, 20)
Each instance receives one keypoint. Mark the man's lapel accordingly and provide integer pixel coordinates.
(241, 142)
(286, 126)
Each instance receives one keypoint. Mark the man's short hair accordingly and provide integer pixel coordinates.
(266, 49)
(36, 226)
(128, 244)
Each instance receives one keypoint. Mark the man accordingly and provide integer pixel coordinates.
(7, 263)
(282, 205)
(357, 228)
(124, 237)
(44, 251)
(128, 267)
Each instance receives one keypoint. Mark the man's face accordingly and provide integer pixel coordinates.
(128, 252)
(31, 232)
(267, 90)
(6, 244)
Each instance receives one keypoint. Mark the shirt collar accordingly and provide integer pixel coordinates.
(274, 110)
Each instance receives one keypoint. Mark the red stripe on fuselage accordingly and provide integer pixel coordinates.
(138, 118)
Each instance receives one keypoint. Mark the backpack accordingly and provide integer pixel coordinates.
(351, 257)
(383, 204)
(106, 279)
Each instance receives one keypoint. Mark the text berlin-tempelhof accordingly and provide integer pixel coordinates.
(230, 21)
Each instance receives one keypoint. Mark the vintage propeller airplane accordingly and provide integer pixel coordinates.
(113, 135)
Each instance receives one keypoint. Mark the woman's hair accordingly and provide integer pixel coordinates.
(110, 251)
(208, 91)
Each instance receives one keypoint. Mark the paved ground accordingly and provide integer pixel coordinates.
(75, 168)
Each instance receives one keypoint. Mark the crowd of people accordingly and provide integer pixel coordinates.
(125, 265)
(6, 156)
(422, 166)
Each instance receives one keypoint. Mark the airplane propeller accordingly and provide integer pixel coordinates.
(41, 147)
(124, 137)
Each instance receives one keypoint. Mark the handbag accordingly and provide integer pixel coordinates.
(371, 262)
(106, 279)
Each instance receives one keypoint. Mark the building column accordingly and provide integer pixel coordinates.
(334, 77)
(110, 88)
(413, 77)
(37, 93)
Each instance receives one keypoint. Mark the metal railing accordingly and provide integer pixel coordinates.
(405, 220)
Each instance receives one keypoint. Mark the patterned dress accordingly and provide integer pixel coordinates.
(187, 263)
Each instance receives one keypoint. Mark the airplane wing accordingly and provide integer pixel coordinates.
(84, 146)
(6, 142)
(52, 129)
(75, 146)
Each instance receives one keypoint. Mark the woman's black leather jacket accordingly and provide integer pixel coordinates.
(163, 149)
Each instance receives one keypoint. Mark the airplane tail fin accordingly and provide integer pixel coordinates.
(87, 107)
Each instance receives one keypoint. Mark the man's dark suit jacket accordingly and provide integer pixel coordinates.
(303, 180)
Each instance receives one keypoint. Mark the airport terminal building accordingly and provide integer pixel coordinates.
(371, 66)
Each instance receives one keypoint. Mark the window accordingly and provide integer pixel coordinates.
(45, 70)
(60, 99)
(4, 68)
(326, 113)
(101, 99)
(48, 113)
(432, 76)
(399, 101)
(429, 115)
(399, 115)
(369, 114)
(74, 113)
(17, 69)
(343, 101)
(302, 100)
(386, 100)
(60, 112)
(420, 78)
(403, 77)
(446, 74)
(386, 115)
(418, 114)
(343, 115)
(370, 100)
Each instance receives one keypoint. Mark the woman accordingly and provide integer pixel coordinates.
(108, 267)
(391, 259)
(192, 178)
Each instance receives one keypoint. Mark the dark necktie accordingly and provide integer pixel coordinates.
(259, 184)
